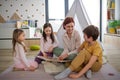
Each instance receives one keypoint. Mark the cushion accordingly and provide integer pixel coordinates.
(35, 47)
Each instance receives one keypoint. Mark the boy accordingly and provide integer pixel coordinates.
(89, 57)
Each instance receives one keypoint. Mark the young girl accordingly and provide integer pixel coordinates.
(48, 42)
(19, 52)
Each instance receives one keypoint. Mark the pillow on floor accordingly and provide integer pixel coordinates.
(35, 47)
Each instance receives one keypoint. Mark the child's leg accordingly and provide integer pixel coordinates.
(49, 54)
(19, 67)
(82, 57)
(70, 57)
(33, 63)
(38, 60)
(96, 67)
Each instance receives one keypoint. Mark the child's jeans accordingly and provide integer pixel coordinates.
(38, 60)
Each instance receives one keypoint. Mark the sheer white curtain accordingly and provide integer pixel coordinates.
(93, 10)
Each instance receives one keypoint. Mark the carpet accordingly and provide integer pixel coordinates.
(53, 67)
(107, 72)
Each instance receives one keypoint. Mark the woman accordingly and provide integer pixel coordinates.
(71, 41)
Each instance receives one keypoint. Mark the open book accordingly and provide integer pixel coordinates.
(52, 59)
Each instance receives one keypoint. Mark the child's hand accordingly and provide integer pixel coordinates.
(50, 49)
(45, 55)
(74, 75)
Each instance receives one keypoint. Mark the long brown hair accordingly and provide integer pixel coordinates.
(16, 34)
(51, 35)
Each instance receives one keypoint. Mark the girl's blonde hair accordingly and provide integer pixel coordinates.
(16, 34)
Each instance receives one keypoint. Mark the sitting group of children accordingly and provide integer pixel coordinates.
(86, 57)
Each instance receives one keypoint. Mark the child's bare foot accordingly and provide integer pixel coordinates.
(31, 68)
(18, 69)
(74, 75)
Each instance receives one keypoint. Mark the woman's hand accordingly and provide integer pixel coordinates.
(79, 49)
(63, 56)
(74, 75)
(50, 49)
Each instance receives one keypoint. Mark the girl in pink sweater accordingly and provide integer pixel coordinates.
(48, 42)
(19, 52)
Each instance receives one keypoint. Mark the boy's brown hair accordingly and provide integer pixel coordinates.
(91, 31)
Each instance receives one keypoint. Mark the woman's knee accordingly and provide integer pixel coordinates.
(71, 57)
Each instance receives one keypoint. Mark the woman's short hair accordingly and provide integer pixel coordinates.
(67, 21)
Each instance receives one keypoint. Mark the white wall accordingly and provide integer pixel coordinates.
(104, 18)
(117, 9)
(6, 31)
(26, 9)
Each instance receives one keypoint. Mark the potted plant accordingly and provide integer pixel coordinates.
(118, 27)
(112, 26)
(118, 24)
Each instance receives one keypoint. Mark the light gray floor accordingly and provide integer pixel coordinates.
(40, 74)
(113, 55)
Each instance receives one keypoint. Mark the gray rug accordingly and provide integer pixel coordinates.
(53, 67)
(106, 73)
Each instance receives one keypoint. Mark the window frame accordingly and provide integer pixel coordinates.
(66, 3)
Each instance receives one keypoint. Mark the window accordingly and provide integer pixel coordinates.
(57, 10)
(70, 3)
(56, 13)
